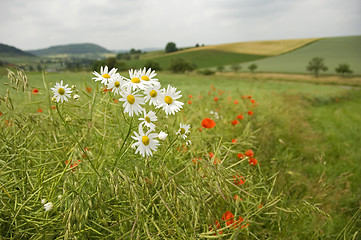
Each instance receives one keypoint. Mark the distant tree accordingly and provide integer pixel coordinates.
(171, 47)
(315, 65)
(111, 62)
(153, 65)
(197, 45)
(252, 67)
(31, 68)
(343, 69)
(180, 65)
(236, 67)
(123, 56)
(39, 68)
(220, 68)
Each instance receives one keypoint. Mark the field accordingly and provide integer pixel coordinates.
(265, 48)
(303, 134)
(203, 59)
(334, 51)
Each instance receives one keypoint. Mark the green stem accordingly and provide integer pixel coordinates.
(76, 140)
(125, 139)
(170, 145)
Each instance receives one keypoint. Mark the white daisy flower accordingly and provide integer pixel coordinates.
(76, 97)
(116, 83)
(135, 81)
(48, 206)
(43, 201)
(132, 101)
(168, 100)
(104, 75)
(148, 119)
(162, 135)
(148, 76)
(61, 92)
(146, 142)
(183, 130)
(153, 95)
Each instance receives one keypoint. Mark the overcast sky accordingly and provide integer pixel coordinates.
(125, 24)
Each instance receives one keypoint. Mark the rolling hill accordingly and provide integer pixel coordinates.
(224, 54)
(334, 51)
(80, 50)
(6, 50)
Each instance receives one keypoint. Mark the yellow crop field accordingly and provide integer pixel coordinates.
(268, 48)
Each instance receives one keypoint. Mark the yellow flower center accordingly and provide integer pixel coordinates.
(117, 84)
(145, 78)
(168, 100)
(145, 140)
(106, 75)
(61, 91)
(182, 131)
(147, 119)
(130, 99)
(153, 93)
(135, 80)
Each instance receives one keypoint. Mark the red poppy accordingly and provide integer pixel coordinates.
(228, 217)
(250, 113)
(53, 106)
(218, 226)
(215, 99)
(88, 89)
(189, 102)
(234, 140)
(253, 101)
(35, 91)
(240, 117)
(200, 129)
(1, 113)
(234, 122)
(211, 155)
(115, 100)
(249, 153)
(252, 161)
(208, 123)
(196, 160)
(237, 198)
(190, 96)
(240, 155)
(238, 180)
(235, 102)
(238, 223)
(249, 97)
(40, 110)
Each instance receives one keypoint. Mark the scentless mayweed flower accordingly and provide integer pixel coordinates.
(146, 142)
(136, 82)
(162, 135)
(169, 101)
(132, 101)
(104, 75)
(116, 83)
(152, 95)
(61, 92)
(48, 206)
(148, 119)
(148, 76)
(183, 130)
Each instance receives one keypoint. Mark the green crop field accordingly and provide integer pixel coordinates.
(334, 51)
(203, 59)
(305, 185)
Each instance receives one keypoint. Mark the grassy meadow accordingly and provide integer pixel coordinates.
(334, 51)
(304, 136)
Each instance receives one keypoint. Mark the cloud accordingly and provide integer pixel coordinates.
(129, 24)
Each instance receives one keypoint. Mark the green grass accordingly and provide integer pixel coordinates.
(306, 133)
(334, 51)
